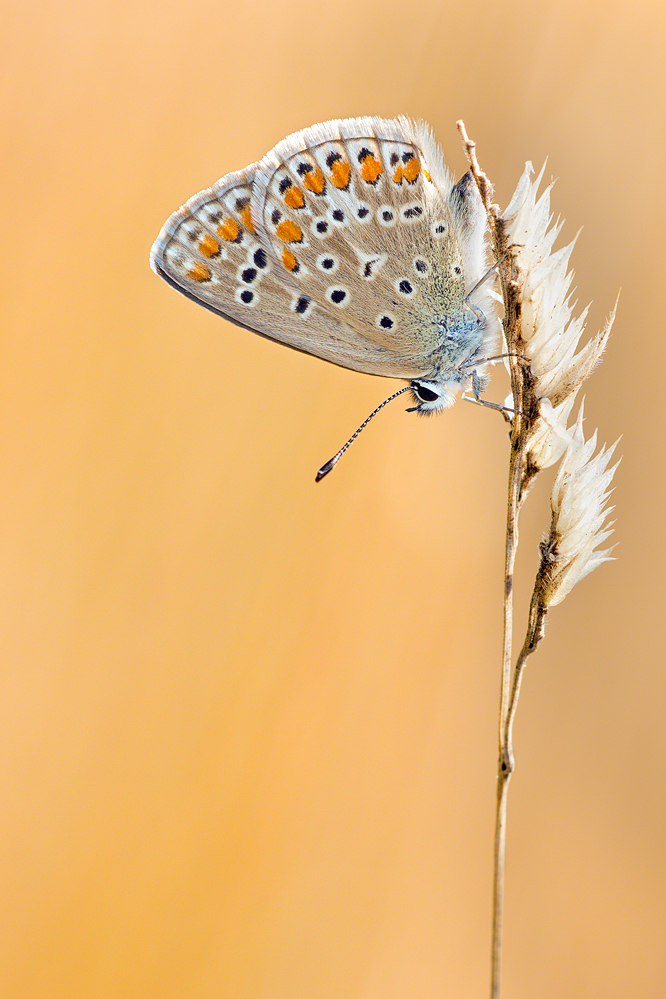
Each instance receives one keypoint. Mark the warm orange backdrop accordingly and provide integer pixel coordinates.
(248, 733)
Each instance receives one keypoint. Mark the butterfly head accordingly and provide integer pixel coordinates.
(430, 396)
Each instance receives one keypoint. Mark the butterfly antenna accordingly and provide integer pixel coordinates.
(325, 469)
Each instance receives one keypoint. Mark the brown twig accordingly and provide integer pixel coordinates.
(545, 373)
(519, 428)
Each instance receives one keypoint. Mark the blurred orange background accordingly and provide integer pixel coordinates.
(249, 732)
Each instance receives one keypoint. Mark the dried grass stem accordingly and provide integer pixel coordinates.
(546, 373)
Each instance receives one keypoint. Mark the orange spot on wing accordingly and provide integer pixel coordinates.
(289, 232)
(371, 169)
(209, 246)
(199, 272)
(427, 176)
(289, 260)
(247, 218)
(340, 173)
(229, 229)
(397, 176)
(294, 198)
(313, 180)
(411, 170)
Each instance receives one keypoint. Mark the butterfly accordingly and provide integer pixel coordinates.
(349, 241)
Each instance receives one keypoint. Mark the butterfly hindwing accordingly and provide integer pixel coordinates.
(358, 212)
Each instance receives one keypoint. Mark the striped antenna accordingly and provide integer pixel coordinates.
(325, 469)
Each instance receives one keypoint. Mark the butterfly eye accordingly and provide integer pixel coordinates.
(425, 394)
(431, 396)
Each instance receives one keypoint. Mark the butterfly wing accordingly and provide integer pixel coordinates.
(210, 251)
(344, 242)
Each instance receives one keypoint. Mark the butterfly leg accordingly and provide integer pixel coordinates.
(479, 383)
(504, 410)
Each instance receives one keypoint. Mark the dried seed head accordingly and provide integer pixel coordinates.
(549, 438)
(549, 333)
(578, 502)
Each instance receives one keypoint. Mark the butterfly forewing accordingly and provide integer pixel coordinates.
(210, 251)
(343, 242)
